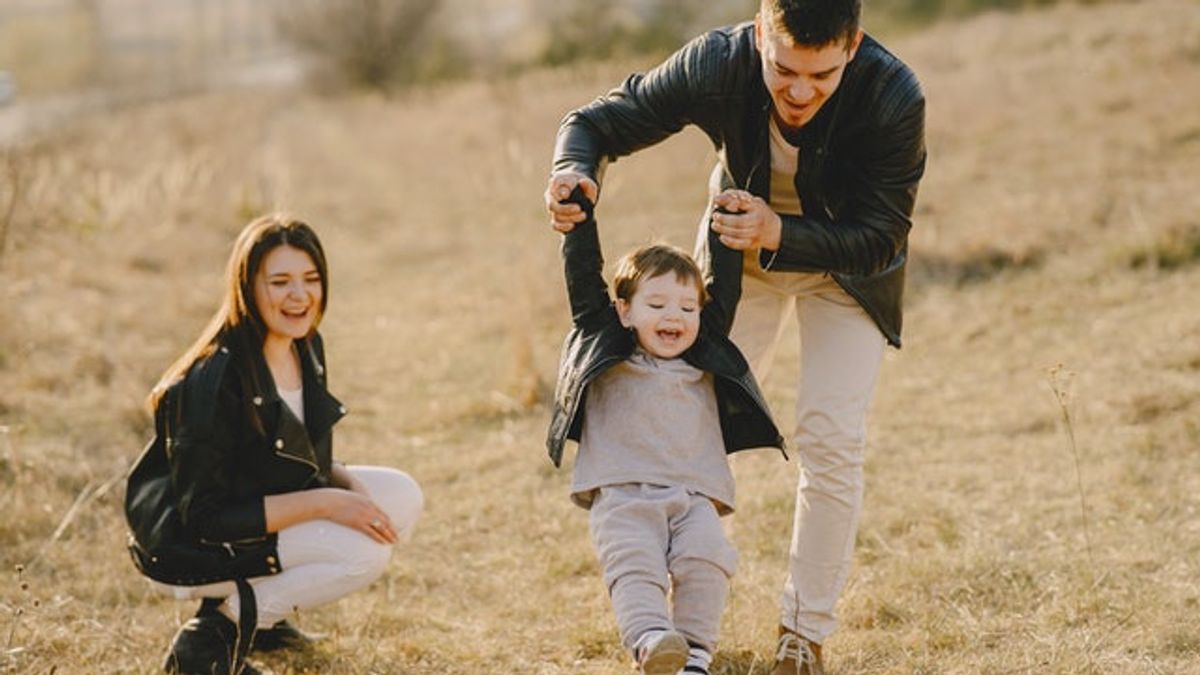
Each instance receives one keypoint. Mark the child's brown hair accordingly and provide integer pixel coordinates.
(652, 260)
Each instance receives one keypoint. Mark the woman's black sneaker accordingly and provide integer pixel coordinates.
(204, 645)
(282, 635)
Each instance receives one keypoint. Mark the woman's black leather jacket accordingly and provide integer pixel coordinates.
(201, 482)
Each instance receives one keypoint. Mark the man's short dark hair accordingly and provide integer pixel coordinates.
(814, 23)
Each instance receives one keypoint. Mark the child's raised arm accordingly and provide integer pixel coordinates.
(722, 279)
(583, 265)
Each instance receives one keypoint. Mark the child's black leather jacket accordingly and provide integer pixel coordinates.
(598, 341)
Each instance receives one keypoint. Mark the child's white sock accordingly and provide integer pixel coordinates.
(698, 661)
(646, 639)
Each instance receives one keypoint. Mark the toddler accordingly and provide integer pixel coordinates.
(656, 396)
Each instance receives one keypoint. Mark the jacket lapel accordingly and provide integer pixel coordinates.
(321, 409)
(289, 438)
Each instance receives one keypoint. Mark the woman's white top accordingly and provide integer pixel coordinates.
(294, 398)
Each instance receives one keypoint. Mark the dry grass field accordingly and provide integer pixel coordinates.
(1059, 224)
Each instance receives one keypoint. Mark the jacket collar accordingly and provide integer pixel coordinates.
(321, 409)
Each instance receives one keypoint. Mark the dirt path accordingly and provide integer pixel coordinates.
(26, 118)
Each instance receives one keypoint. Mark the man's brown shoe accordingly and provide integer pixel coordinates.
(796, 655)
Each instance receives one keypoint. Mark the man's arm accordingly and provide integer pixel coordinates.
(644, 110)
(873, 226)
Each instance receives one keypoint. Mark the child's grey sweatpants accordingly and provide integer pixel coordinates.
(651, 539)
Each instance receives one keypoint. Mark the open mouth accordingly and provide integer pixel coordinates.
(668, 335)
(296, 314)
(798, 110)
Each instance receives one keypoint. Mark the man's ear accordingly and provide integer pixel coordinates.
(758, 32)
(623, 311)
(852, 48)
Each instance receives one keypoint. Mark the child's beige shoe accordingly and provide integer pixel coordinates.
(663, 654)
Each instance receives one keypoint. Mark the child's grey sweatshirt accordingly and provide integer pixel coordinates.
(651, 420)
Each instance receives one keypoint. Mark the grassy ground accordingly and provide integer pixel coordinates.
(1003, 532)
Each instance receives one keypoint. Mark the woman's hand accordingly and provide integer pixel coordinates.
(350, 507)
(750, 224)
(356, 510)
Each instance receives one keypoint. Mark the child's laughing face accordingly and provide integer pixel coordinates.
(664, 312)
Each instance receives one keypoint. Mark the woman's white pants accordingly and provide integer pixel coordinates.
(323, 561)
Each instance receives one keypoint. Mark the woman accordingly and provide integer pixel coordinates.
(238, 501)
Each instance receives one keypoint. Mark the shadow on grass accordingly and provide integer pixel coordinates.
(319, 658)
(1175, 248)
(742, 662)
(971, 267)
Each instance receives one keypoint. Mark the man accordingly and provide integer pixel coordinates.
(820, 137)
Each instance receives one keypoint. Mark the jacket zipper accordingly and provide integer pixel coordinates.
(305, 462)
(228, 545)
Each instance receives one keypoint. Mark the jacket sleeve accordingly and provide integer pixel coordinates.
(203, 466)
(583, 264)
(872, 228)
(723, 281)
(646, 109)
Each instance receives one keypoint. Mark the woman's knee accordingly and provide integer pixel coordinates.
(397, 493)
(372, 562)
(360, 557)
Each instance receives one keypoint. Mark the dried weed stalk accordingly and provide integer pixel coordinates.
(12, 191)
(1060, 383)
(18, 613)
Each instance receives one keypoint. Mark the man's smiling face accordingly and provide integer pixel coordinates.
(800, 78)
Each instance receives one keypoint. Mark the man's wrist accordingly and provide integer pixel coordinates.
(774, 234)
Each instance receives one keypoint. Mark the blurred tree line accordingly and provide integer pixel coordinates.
(921, 12)
(386, 44)
(127, 46)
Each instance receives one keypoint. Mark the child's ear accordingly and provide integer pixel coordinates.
(623, 311)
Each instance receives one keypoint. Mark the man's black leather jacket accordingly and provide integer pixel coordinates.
(861, 156)
(598, 341)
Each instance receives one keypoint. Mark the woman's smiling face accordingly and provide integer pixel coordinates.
(288, 293)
